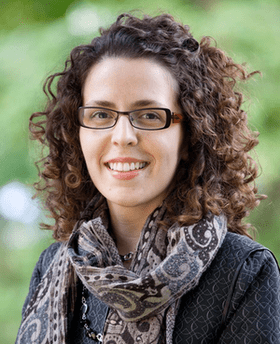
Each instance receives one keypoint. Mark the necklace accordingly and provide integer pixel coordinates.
(97, 337)
(127, 256)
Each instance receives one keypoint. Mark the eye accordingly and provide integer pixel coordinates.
(100, 115)
(151, 115)
(149, 118)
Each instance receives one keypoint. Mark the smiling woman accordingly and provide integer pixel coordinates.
(148, 178)
(131, 194)
(139, 191)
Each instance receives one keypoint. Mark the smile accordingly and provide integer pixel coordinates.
(126, 167)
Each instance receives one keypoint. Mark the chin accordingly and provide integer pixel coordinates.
(126, 202)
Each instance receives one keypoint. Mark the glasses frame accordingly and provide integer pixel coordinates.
(171, 116)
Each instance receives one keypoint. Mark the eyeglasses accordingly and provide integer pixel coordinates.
(144, 119)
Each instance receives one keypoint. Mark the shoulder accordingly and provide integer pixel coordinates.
(44, 262)
(40, 269)
(46, 258)
(239, 252)
(241, 259)
(249, 264)
(245, 265)
(240, 243)
(240, 289)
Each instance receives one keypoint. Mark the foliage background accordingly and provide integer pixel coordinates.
(35, 39)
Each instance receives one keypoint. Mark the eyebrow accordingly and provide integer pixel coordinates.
(138, 103)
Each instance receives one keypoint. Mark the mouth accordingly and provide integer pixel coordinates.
(126, 167)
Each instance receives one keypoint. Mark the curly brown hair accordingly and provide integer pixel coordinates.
(216, 173)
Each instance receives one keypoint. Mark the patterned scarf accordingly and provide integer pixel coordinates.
(143, 300)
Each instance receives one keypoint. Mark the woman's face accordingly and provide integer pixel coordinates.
(128, 84)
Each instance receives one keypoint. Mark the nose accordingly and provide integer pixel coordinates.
(123, 132)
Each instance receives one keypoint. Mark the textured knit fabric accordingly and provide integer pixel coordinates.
(237, 299)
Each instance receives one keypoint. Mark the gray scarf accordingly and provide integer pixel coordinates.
(143, 300)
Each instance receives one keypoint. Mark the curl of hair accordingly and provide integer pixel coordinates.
(216, 173)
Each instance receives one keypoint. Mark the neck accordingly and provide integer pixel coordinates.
(127, 223)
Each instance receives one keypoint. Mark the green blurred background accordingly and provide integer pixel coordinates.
(35, 39)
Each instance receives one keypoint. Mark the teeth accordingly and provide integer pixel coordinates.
(125, 167)
(119, 166)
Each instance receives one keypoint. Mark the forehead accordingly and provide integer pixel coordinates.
(123, 77)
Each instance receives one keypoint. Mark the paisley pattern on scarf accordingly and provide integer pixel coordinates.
(144, 300)
(167, 265)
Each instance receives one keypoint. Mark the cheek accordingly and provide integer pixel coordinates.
(90, 148)
(172, 145)
(92, 142)
(166, 153)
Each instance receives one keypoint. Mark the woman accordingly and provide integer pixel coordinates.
(148, 178)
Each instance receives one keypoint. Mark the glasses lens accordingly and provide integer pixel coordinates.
(148, 118)
(98, 117)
